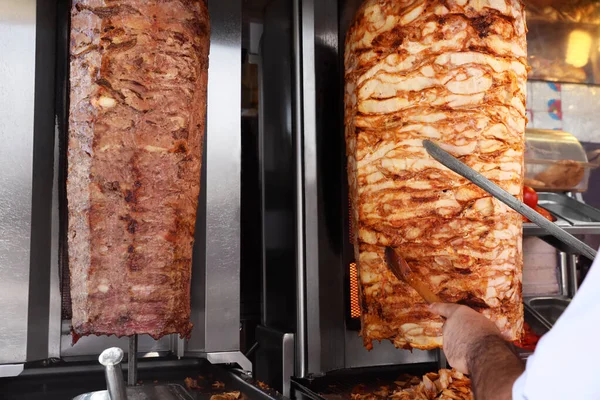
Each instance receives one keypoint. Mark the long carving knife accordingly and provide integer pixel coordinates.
(402, 271)
(467, 172)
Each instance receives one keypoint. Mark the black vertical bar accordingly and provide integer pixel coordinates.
(43, 160)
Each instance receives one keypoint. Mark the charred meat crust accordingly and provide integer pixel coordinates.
(138, 78)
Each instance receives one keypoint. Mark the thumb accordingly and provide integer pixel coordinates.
(444, 309)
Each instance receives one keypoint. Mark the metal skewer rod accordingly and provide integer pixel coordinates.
(132, 372)
(467, 172)
(111, 360)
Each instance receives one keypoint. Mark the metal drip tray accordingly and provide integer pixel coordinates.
(341, 384)
(548, 308)
(573, 216)
(157, 392)
(538, 326)
(569, 209)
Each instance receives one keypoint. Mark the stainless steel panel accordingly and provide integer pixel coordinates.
(383, 353)
(17, 73)
(216, 275)
(301, 317)
(331, 179)
(319, 311)
(92, 346)
(230, 357)
(322, 186)
(541, 268)
(274, 363)
(54, 315)
(549, 308)
(572, 274)
(132, 366)
(10, 370)
(441, 359)
(314, 309)
(564, 274)
(288, 354)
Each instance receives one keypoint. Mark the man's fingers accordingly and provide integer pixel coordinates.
(444, 309)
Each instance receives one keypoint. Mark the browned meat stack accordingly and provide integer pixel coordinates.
(137, 117)
(452, 71)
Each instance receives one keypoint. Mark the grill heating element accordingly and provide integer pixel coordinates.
(354, 302)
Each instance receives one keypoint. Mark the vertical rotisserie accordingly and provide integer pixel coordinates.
(137, 116)
(452, 71)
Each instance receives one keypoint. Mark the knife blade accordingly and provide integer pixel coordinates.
(452, 163)
(402, 271)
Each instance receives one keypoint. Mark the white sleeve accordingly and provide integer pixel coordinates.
(564, 365)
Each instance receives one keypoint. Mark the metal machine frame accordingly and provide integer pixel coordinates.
(329, 344)
(306, 39)
(32, 217)
(304, 329)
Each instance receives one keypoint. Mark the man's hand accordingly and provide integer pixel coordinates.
(463, 330)
(473, 345)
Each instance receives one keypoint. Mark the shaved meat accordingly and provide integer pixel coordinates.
(137, 115)
(228, 396)
(454, 72)
(444, 385)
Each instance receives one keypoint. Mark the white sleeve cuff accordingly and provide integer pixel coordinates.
(518, 390)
